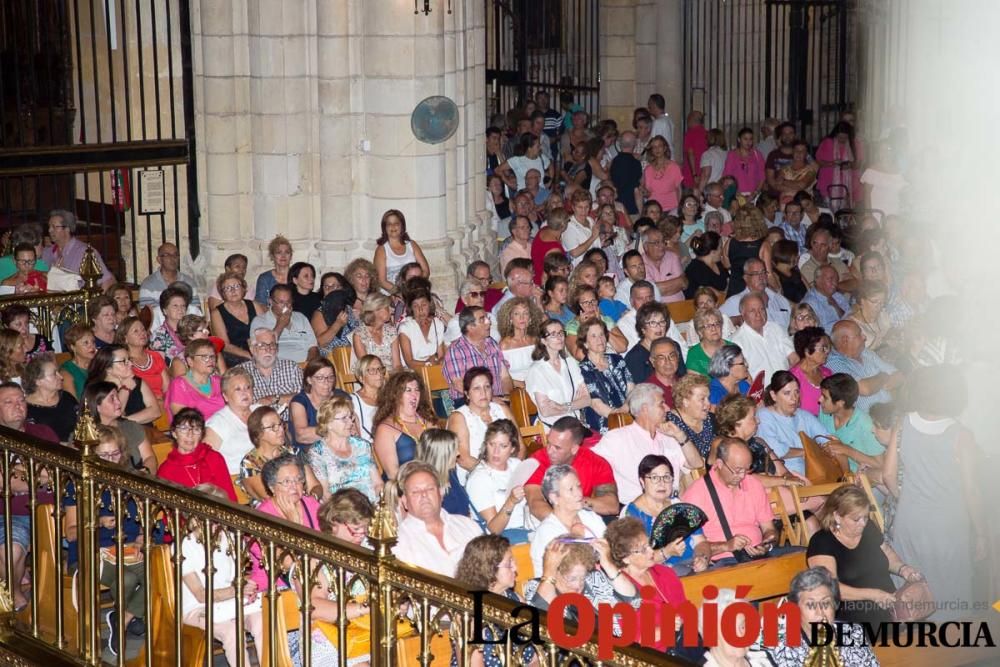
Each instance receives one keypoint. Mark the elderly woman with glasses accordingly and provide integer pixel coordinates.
(319, 379)
(473, 294)
(192, 461)
(651, 322)
(195, 327)
(870, 314)
(691, 412)
(554, 381)
(817, 593)
(101, 399)
(340, 459)
(561, 489)
(708, 326)
(729, 372)
(586, 306)
(606, 375)
(812, 345)
(48, 402)
(201, 386)
(802, 316)
(267, 433)
(111, 364)
(174, 302)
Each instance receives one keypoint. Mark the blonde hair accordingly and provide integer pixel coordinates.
(374, 301)
(326, 412)
(438, 448)
(844, 500)
(686, 386)
(277, 242)
(748, 222)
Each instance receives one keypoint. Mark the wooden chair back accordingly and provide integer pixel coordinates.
(49, 547)
(770, 577)
(522, 407)
(241, 496)
(340, 357)
(433, 377)
(533, 438)
(788, 534)
(681, 311)
(525, 568)
(63, 357)
(800, 493)
(876, 513)
(619, 419)
(821, 466)
(161, 449)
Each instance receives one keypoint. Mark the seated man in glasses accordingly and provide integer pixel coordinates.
(275, 381)
(479, 274)
(296, 338)
(474, 348)
(741, 500)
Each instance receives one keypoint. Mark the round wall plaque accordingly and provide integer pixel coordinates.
(434, 119)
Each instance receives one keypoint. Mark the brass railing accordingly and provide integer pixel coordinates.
(416, 617)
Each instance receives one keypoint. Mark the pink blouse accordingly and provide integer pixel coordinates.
(181, 392)
(809, 393)
(663, 186)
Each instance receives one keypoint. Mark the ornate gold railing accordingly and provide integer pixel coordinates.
(58, 309)
(416, 618)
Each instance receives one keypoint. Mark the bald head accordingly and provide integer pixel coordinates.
(847, 338)
(626, 140)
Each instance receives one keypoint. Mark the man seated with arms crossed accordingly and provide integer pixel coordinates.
(296, 339)
(562, 447)
(649, 433)
(744, 502)
(429, 537)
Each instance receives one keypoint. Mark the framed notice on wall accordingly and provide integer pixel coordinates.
(152, 196)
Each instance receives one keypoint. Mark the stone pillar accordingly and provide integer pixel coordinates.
(646, 45)
(618, 49)
(670, 61)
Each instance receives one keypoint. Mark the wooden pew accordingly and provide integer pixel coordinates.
(522, 407)
(769, 577)
(49, 549)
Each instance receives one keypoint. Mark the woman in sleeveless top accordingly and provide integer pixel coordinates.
(280, 251)
(371, 373)
(548, 240)
(231, 318)
(377, 335)
(747, 242)
(469, 422)
(395, 249)
(404, 412)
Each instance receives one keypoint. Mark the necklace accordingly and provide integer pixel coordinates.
(205, 388)
(402, 426)
(145, 365)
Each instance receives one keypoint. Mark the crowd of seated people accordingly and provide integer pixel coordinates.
(646, 402)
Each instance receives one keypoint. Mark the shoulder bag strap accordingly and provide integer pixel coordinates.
(718, 506)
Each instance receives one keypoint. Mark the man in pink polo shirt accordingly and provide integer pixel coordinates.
(744, 502)
(663, 267)
(649, 433)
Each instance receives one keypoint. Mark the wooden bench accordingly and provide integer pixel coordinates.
(49, 547)
(769, 577)
(522, 407)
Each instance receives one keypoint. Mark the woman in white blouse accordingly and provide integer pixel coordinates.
(500, 506)
(421, 334)
(554, 381)
(518, 322)
(371, 374)
(561, 488)
(469, 422)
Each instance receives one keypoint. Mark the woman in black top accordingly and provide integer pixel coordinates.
(706, 269)
(747, 242)
(231, 318)
(305, 299)
(112, 364)
(785, 256)
(852, 548)
(47, 402)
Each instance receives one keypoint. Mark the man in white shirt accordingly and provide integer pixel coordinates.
(779, 310)
(649, 433)
(766, 347)
(663, 124)
(624, 336)
(714, 202)
(296, 338)
(169, 259)
(429, 537)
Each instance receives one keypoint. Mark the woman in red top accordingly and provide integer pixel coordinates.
(548, 239)
(147, 365)
(192, 462)
(632, 553)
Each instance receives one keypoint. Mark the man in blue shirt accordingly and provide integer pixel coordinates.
(876, 377)
(829, 304)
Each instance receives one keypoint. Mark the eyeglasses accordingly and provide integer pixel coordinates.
(323, 378)
(232, 288)
(739, 472)
(290, 482)
(673, 356)
(120, 361)
(803, 317)
(25, 262)
(113, 455)
(476, 295)
(204, 357)
(645, 548)
(273, 428)
(187, 428)
(661, 479)
(376, 370)
(737, 363)
(712, 325)
(589, 303)
(51, 226)
(752, 274)
(345, 418)
(656, 323)
(556, 334)
(266, 346)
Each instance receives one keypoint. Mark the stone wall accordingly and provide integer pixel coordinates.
(303, 119)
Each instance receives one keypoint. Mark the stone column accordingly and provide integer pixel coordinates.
(618, 50)
(670, 61)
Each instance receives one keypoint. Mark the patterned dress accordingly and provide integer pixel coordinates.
(609, 385)
(335, 472)
(384, 350)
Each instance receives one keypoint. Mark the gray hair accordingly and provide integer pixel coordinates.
(751, 295)
(722, 361)
(642, 394)
(650, 230)
(701, 317)
(553, 476)
(270, 470)
(26, 232)
(715, 215)
(67, 217)
(469, 285)
(233, 374)
(467, 317)
(811, 579)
